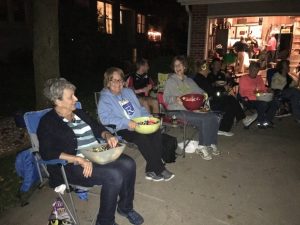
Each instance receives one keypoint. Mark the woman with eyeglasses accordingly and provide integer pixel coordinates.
(118, 106)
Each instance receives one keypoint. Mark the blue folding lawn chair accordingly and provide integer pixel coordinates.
(32, 120)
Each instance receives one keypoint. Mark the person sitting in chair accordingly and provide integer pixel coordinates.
(207, 123)
(63, 131)
(251, 85)
(142, 84)
(118, 106)
(286, 87)
(220, 100)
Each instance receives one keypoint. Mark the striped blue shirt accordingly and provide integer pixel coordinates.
(83, 132)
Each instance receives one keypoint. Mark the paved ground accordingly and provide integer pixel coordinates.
(256, 181)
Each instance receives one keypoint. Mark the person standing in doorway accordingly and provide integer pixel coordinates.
(271, 49)
(240, 48)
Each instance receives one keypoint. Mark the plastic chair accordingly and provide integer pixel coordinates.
(32, 120)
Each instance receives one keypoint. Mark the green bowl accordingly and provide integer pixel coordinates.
(149, 128)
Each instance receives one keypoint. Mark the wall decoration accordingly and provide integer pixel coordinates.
(255, 31)
(232, 32)
(241, 31)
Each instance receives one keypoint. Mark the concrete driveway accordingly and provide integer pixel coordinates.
(256, 181)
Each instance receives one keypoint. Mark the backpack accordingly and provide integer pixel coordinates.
(169, 148)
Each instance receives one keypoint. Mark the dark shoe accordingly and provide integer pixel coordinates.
(167, 175)
(133, 217)
(282, 113)
(153, 176)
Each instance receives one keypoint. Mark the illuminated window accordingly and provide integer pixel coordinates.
(105, 17)
(140, 23)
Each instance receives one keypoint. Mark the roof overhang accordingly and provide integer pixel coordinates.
(211, 2)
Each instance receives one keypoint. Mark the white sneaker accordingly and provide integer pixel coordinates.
(215, 150)
(249, 119)
(203, 152)
(224, 133)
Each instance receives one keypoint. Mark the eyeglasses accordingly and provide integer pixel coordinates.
(117, 81)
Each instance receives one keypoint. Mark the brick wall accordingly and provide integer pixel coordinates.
(198, 34)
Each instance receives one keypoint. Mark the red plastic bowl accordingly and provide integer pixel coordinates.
(192, 101)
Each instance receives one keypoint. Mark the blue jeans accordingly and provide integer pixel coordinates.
(265, 110)
(117, 179)
(206, 123)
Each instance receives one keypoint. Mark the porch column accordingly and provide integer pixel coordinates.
(198, 32)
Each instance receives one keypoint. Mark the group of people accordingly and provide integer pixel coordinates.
(64, 130)
(247, 48)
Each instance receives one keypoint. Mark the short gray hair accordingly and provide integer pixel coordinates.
(54, 88)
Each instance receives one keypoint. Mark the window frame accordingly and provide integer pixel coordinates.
(107, 19)
(140, 23)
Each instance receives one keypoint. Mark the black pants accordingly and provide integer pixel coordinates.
(117, 179)
(150, 146)
(231, 108)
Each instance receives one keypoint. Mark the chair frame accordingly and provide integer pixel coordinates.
(183, 124)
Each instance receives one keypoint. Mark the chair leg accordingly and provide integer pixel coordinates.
(184, 140)
(67, 208)
(76, 219)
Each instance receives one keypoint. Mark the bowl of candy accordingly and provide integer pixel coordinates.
(103, 153)
(193, 101)
(146, 125)
(266, 97)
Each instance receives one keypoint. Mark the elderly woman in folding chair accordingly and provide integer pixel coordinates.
(63, 131)
(118, 106)
(179, 84)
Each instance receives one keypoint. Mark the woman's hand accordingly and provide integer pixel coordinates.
(86, 165)
(132, 125)
(111, 140)
(179, 101)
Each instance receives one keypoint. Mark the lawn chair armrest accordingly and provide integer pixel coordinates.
(54, 162)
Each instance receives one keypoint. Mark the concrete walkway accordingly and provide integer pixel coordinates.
(256, 181)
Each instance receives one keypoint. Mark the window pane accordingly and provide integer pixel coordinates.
(109, 17)
(109, 26)
(100, 18)
(143, 19)
(108, 11)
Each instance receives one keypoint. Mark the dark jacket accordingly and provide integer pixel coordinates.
(55, 137)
